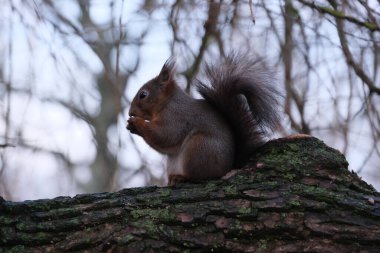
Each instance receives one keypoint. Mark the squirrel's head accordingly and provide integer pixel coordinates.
(154, 95)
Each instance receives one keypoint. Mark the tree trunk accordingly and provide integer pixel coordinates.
(297, 195)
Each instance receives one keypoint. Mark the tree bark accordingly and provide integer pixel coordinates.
(296, 195)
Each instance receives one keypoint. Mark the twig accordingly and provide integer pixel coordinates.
(342, 16)
(252, 12)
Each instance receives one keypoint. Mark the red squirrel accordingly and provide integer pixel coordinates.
(206, 138)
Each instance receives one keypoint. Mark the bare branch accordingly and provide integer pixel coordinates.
(372, 26)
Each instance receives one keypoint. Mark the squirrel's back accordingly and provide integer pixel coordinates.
(243, 90)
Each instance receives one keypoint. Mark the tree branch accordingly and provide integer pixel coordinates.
(372, 26)
(297, 196)
(350, 59)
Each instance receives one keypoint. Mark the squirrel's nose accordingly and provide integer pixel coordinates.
(131, 113)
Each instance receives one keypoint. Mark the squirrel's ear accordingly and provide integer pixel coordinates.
(167, 72)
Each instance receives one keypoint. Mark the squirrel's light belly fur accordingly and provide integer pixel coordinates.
(205, 138)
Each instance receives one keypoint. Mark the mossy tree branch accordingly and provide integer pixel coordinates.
(296, 195)
(372, 26)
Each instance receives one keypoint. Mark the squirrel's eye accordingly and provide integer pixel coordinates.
(143, 94)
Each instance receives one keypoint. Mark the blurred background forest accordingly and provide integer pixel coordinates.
(69, 69)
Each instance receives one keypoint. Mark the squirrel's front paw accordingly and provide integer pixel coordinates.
(133, 123)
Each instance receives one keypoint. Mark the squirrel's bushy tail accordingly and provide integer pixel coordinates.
(243, 90)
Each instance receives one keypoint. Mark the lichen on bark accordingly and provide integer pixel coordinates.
(296, 194)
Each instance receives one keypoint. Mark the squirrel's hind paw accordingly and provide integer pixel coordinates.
(175, 179)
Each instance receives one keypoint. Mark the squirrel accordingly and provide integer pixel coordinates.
(206, 138)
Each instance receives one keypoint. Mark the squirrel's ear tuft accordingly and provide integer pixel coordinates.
(167, 71)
